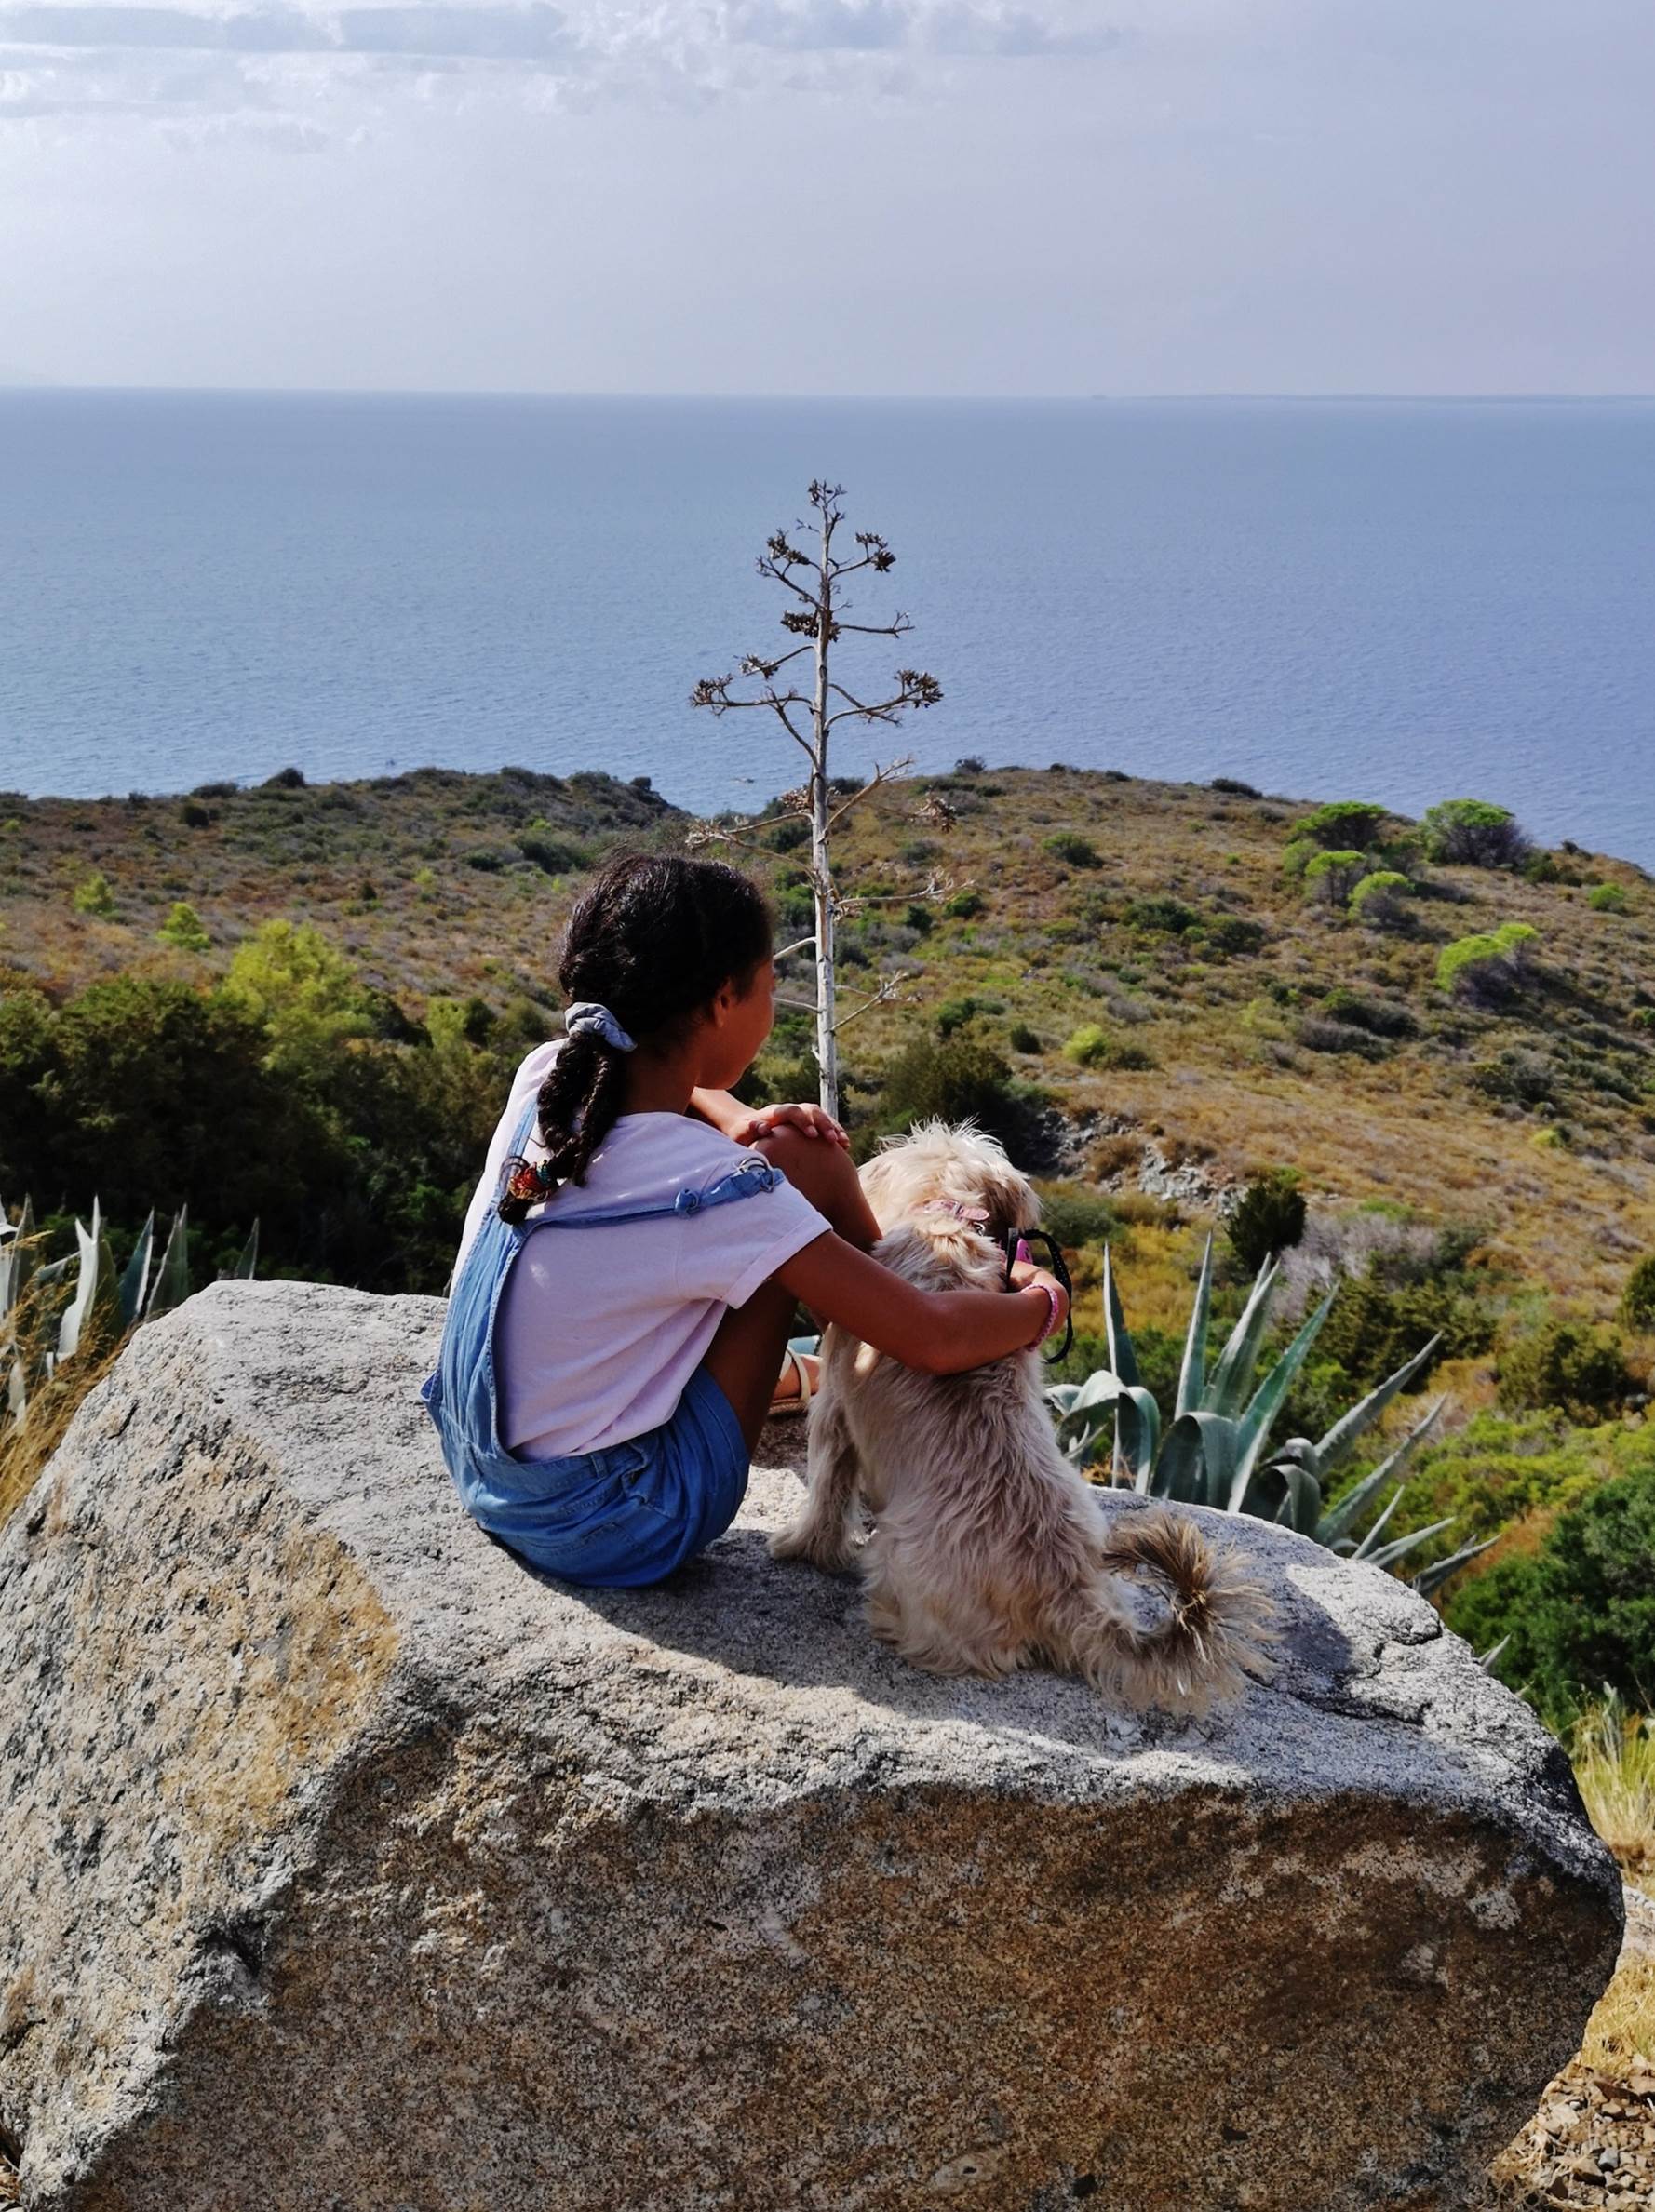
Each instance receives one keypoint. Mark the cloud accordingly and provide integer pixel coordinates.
(531, 32)
(959, 27)
(308, 62)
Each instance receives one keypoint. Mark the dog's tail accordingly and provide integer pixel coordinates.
(1216, 1632)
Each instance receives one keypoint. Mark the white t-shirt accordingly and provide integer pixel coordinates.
(599, 1329)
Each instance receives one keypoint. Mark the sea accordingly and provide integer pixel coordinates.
(1402, 600)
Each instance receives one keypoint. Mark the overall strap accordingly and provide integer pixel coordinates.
(754, 1175)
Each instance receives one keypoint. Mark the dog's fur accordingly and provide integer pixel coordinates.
(988, 1552)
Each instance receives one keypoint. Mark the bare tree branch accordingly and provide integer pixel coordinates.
(880, 776)
(882, 996)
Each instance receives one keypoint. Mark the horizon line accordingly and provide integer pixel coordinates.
(56, 387)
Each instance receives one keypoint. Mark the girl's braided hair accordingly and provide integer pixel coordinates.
(653, 938)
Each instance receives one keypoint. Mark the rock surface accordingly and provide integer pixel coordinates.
(346, 1865)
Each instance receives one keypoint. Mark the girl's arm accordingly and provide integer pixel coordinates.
(938, 1331)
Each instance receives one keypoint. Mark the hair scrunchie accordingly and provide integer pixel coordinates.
(586, 1018)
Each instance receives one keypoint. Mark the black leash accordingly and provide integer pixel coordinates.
(1054, 1263)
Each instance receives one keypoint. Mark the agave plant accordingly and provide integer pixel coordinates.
(1217, 1451)
(142, 1292)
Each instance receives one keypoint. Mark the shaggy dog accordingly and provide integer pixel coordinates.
(988, 1552)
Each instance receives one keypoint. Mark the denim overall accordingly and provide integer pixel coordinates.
(627, 1513)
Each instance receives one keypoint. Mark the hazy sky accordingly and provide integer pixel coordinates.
(989, 196)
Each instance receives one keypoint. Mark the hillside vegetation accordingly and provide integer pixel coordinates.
(1427, 1049)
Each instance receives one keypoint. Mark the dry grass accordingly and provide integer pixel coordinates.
(1614, 1761)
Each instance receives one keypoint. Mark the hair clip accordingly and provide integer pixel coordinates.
(971, 1213)
(531, 1182)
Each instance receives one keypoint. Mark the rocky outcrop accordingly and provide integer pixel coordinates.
(345, 1865)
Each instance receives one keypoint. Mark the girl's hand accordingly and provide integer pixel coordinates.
(812, 1119)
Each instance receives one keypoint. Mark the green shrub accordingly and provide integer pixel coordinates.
(1377, 900)
(1093, 1047)
(1521, 1077)
(1485, 969)
(1579, 1370)
(966, 906)
(1233, 934)
(1317, 1035)
(1333, 875)
(1579, 1616)
(1077, 851)
(954, 1013)
(1607, 898)
(285, 779)
(1298, 855)
(1474, 833)
(1380, 1319)
(1075, 1215)
(1380, 1017)
(92, 894)
(556, 856)
(304, 990)
(184, 927)
(1023, 1039)
(919, 917)
(1637, 1300)
(1269, 1217)
(1166, 915)
(957, 1080)
(1343, 823)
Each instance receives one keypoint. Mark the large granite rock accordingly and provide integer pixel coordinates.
(347, 1867)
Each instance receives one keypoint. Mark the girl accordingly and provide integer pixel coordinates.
(635, 1247)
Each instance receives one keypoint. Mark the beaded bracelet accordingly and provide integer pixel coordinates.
(1055, 1311)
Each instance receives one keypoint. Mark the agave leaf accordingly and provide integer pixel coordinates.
(1343, 1434)
(135, 1280)
(1197, 1461)
(1300, 1505)
(1137, 1436)
(1338, 1520)
(85, 1287)
(1429, 1579)
(171, 1285)
(1256, 1422)
(1138, 1422)
(1298, 1451)
(1486, 1659)
(16, 1396)
(1060, 1397)
(1399, 1547)
(1232, 1378)
(243, 1269)
(1123, 1360)
(21, 1257)
(1192, 1372)
(1361, 1550)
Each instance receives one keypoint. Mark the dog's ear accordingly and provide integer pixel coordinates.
(1010, 1198)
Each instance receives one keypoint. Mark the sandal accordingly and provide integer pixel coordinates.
(783, 1408)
